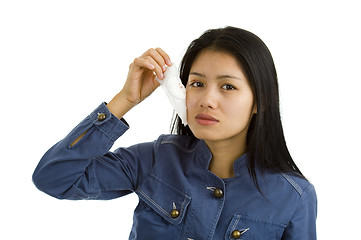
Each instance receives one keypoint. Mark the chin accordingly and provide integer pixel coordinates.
(207, 136)
(219, 135)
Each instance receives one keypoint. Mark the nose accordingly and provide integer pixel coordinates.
(209, 99)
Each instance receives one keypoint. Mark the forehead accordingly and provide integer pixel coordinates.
(213, 62)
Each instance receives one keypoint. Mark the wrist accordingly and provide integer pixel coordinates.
(120, 105)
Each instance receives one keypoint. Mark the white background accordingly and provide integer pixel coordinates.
(60, 59)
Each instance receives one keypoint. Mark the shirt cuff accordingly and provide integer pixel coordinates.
(106, 122)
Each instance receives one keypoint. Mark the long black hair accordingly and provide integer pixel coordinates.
(266, 145)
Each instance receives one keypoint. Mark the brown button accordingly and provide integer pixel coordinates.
(174, 213)
(101, 117)
(236, 234)
(218, 193)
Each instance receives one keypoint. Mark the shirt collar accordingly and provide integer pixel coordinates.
(205, 157)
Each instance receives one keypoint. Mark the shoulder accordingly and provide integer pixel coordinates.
(293, 192)
(165, 144)
(177, 142)
(302, 220)
(185, 143)
(290, 187)
(303, 190)
(297, 183)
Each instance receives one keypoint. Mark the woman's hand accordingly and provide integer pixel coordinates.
(141, 80)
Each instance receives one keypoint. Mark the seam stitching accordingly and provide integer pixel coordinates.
(293, 183)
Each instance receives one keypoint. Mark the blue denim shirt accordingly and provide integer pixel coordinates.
(179, 198)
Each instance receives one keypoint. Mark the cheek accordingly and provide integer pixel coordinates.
(240, 108)
(191, 102)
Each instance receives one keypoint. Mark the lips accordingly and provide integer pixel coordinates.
(205, 119)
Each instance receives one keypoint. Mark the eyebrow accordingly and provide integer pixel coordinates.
(218, 77)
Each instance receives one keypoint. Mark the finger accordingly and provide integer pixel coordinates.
(142, 63)
(157, 57)
(157, 69)
(165, 56)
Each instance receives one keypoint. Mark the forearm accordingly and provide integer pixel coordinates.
(65, 163)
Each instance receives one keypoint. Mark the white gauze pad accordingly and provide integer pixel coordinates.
(176, 92)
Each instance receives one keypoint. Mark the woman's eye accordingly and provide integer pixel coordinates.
(228, 87)
(196, 84)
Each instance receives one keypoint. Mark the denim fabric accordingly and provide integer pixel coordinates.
(172, 173)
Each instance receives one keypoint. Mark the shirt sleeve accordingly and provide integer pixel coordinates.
(88, 170)
(302, 225)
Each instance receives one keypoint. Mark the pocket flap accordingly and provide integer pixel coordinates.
(163, 198)
(248, 228)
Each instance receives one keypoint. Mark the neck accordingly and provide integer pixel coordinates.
(224, 154)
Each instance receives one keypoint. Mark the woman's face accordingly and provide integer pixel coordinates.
(220, 101)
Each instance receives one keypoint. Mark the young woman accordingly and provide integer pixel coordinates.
(227, 175)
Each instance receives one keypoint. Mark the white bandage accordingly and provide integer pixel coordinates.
(176, 92)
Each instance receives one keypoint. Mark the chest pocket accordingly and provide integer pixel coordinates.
(170, 203)
(248, 228)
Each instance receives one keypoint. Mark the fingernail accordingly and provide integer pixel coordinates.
(161, 76)
(169, 63)
(164, 68)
